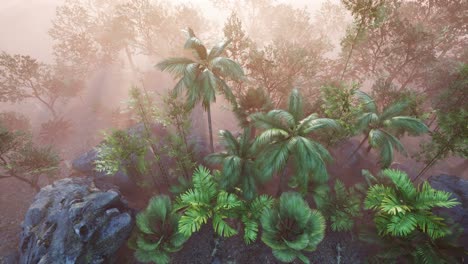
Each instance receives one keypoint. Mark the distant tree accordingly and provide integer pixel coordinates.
(281, 65)
(23, 77)
(450, 136)
(91, 34)
(379, 127)
(285, 138)
(204, 76)
(13, 121)
(365, 13)
(22, 160)
(411, 42)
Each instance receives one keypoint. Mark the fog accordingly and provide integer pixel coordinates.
(307, 92)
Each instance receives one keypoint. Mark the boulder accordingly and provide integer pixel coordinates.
(84, 164)
(71, 221)
(459, 189)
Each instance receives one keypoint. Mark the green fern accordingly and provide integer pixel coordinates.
(404, 220)
(156, 234)
(342, 207)
(203, 202)
(251, 214)
(402, 207)
(291, 227)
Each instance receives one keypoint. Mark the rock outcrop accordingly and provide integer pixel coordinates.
(72, 222)
(459, 189)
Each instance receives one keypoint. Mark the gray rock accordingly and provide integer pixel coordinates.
(72, 222)
(459, 189)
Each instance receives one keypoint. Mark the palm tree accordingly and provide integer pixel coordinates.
(203, 75)
(379, 127)
(285, 137)
(239, 167)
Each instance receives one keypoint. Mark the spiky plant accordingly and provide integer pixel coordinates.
(205, 201)
(286, 137)
(342, 207)
(203, 75)
(291, 227)
(250, 215)
(402, 208)
(380, 127)
(238, 160)
(156, 234)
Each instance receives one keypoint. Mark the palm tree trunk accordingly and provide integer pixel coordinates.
(360, 145)
(282, 179)
(210, 128)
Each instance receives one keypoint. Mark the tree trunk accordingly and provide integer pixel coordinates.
(282, 179)
(360, 145)
(351, 51)
(210, 128)
(130, 60)
(253, 131)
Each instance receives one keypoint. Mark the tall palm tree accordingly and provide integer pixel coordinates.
(285, 137)
(239, 167)
(203, 75)
(380, 127)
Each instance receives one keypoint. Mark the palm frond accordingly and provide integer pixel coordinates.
(218, 49)
(228, 68)
(367, 101)
(269, 136)
(174, 66)
(265, 121)
(226, 90)
(410, 124)
(229, 141)
(196, 45)
(321, 123)
(393, 110)
(365, 120)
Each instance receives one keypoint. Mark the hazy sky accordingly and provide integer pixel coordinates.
(24, 24)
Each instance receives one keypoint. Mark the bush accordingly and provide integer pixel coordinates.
(291, 227)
